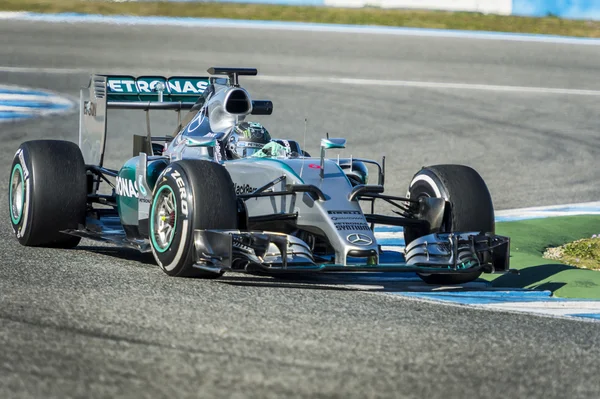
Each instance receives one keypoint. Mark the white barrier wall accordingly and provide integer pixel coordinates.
(485, 6)
(572, 9)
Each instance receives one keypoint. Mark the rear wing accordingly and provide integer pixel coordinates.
(146, 93)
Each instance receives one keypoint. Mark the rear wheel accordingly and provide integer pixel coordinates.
(190, 195)
(47, 193)
(470, 208)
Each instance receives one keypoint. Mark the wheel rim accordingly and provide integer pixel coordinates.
(163, 218)
(16, 194)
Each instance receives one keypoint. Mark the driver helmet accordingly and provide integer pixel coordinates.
(246, 139)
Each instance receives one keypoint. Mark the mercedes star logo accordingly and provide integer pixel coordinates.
(359, 239)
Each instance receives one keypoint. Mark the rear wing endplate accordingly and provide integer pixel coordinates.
(128, 92)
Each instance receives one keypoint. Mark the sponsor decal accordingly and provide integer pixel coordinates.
(243, 188)
(126, 188)
(314, 166)
(359, 239)
(140, 184)
(131, 189)
(122, 85)
(187, 86)
(89, 108)
(149, 85)
(349, 226)
(346, 215)
(196, 122)
(361, 218)
(23, 165)
(182, 192)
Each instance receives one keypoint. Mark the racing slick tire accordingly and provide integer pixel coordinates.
(189, 195)
(47, 193)
(471, 208)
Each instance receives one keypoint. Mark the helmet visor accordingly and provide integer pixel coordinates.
(246, 149)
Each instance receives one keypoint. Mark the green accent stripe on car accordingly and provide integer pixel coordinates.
(156, 196)
(10, 194)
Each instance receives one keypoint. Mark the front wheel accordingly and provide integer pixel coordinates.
(469, 208)
(190, 195)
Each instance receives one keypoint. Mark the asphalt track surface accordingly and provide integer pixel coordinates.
(101, 322)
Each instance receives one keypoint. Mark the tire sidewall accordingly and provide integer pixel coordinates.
(21, 164)
(426, 183)
(173, 258)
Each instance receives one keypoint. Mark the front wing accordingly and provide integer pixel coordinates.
(268, 252)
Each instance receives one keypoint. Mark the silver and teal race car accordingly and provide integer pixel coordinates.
(212, 197)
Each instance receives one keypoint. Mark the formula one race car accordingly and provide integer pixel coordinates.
(222, 195)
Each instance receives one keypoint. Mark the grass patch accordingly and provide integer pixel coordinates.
(531, 238)
(361, 16)
(584, 253)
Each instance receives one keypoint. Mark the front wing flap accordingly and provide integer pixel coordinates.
(448, 253)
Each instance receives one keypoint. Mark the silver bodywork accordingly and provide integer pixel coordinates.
(317, 197)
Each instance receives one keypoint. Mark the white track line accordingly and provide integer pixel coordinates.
(425, 85)
(584, 208)
(576, 207)
(555, 308)
(58, 71)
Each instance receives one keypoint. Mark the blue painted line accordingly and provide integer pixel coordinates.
(371, 277)
(515, 218)
(28, 105)
(34, 104)
(587, 315)
(487, 297)
(391, 257)
(388, 229)
(391, 241)
(341, 28)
